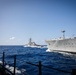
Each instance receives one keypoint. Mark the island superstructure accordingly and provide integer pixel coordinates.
(62, 44)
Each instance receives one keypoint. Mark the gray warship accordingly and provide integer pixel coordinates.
(32, 44)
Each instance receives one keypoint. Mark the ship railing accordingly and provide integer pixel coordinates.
(39, 65)
(3, 69)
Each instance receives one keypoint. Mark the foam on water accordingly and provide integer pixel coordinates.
(11, 68)
(0, 62)
(48, 50)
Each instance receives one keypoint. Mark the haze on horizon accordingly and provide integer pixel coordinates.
(38, 19)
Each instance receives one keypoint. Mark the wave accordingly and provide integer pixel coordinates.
(11, 68)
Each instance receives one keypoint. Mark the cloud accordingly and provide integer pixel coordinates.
(12, 38)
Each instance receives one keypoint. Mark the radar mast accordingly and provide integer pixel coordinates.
(63, 34)
(30, 40)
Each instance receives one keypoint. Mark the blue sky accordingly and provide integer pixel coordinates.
(38, 19)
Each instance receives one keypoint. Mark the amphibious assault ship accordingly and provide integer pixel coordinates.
(62, 44)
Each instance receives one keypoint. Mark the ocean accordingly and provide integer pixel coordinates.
(53, 63)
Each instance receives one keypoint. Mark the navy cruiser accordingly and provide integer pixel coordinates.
(62, 44)
(32, 44)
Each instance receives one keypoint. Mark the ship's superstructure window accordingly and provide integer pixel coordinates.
(69, 44)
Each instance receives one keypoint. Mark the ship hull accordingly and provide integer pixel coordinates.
(66, 45)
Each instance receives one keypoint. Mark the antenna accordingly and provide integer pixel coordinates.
(63, 33)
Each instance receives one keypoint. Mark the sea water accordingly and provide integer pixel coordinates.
(52, 62)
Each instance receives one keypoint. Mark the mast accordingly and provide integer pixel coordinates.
(30, 40)
(63, 34)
